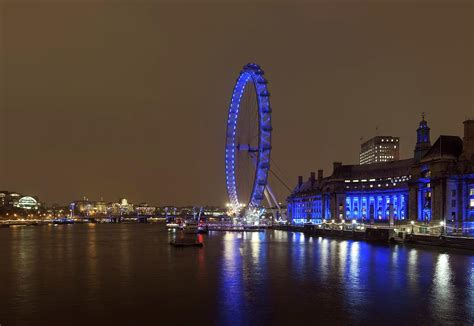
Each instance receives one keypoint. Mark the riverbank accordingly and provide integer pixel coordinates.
(383, 235)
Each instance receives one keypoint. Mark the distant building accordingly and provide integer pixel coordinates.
(86, 207)
(101, 207)
(14, 199)
(143, 209)
(380, 149)
(120, 208)
(28, 202)
(213, 211)
(3, 198)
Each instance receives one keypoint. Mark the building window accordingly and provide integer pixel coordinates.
(453, 193)
(453, 203)
(471, 192)
(471, 203)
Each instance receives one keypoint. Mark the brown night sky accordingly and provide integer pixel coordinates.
(108, 98)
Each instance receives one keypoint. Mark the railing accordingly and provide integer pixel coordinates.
(412, 227)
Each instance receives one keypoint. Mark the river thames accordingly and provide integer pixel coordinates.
(124, 274)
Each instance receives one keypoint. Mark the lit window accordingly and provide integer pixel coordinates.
(471, 192)
(471, 203)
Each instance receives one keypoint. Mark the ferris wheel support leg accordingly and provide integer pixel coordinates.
(268, 190)
(267, 196)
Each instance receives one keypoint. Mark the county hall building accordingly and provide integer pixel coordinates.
(436, 185)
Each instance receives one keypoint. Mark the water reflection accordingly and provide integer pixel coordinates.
(22, 262)
(324, 258)
(442, 286)
(91, 261)
(412, 270)
(470, 289)
(231, 283)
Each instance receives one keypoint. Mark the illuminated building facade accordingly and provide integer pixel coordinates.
(365, 193)
(89, 208)
(28, 202)
(14, 199)
(380, 149)
(442, 189)
(434, 187)
(144, 209)
(120, 208)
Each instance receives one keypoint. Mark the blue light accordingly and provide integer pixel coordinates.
(253, 73)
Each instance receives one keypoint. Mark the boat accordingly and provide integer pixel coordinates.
(186, 243)
(172, 225)
(191, 227)
(202, 228)
(63, 220)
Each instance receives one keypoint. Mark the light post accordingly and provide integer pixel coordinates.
(412, 226)
(353, 225)
(442, 227)
(71, 208)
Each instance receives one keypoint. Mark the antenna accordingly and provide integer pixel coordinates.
(423, 116)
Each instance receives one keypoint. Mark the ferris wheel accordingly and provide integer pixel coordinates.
(248, 141)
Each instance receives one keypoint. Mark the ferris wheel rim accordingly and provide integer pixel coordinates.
(251, 73)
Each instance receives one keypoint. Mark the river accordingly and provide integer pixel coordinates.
(128, 274)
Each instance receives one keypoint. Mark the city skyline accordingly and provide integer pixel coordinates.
(156, 132)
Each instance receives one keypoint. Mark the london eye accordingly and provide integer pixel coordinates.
(248, 142)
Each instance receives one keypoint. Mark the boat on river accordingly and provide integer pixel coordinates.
(186, 242)
(191, 227)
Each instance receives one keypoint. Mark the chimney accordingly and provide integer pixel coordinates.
(468, 140)
(320, 176)
(336, 165)
(300, 180)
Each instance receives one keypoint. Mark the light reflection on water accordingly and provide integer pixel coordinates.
(271, 277)
(231, 280)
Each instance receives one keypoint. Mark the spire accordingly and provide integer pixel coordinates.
(423, 143)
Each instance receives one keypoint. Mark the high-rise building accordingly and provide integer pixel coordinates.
(380, 149)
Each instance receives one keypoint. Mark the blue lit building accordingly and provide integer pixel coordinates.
(436, 185)
(369, 193)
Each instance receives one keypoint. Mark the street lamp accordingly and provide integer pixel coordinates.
(442, 227)
(412, 226)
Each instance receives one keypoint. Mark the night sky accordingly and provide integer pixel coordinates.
(129, 98)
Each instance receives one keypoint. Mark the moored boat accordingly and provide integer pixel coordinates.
(190, 227)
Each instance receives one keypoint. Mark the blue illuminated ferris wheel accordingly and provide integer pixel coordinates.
(248, 140)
